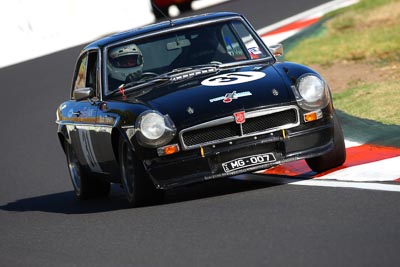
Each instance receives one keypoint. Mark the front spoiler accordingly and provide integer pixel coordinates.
(193, 166)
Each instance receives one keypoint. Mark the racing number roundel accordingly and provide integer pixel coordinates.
(233, 78)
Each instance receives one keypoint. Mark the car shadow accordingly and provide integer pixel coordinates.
(213, 188)
(66, 202)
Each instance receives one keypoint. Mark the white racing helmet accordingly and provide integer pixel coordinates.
(124, 61)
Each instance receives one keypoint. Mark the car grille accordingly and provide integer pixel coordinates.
(226, 129)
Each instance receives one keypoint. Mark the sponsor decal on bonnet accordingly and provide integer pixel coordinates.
(233, 78)
(227, 98)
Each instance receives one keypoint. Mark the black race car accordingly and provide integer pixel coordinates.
(190, 100)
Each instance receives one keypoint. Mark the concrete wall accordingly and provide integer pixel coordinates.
(32, 28)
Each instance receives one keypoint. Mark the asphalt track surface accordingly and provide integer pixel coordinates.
(225, 222)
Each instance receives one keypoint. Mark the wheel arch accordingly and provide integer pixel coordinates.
(116, 136)
(63, 136)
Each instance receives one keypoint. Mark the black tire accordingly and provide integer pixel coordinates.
(334, 158)
(138, 187)
(85, 186)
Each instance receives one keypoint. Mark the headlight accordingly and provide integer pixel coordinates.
(311, 88)
(154, 129)
(152, 126)
(313, 92)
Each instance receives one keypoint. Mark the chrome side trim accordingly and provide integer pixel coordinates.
(81, 125)
(248, 115)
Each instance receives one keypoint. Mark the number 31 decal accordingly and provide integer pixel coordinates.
(233, 78)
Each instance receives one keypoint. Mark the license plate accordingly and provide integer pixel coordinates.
(249, 161)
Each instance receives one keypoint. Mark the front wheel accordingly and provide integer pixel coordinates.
(334, 158)
(85, 185)
(138, 187)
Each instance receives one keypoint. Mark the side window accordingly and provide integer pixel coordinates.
(86, 72)
(80, 73)
(253, 48)
(91, 75)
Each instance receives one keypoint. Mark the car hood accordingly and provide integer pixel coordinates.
(205, 98)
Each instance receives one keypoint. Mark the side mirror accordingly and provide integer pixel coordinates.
(83, 93)
(277, 50)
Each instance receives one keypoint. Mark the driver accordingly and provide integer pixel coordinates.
(125, 64)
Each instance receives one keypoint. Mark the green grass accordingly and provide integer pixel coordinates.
(353, 34)
(366, 33)
(374, 101)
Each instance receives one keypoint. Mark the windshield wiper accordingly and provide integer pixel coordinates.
(189, 68)
(140, 84)
(191, 71)
(175, 75)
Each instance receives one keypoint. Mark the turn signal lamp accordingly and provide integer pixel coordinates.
(313, 116)
(168, 150)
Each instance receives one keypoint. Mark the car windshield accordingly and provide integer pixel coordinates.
(184, 49)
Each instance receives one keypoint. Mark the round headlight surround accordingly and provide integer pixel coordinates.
(313, 91)
(154, 129)
(152, 125)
